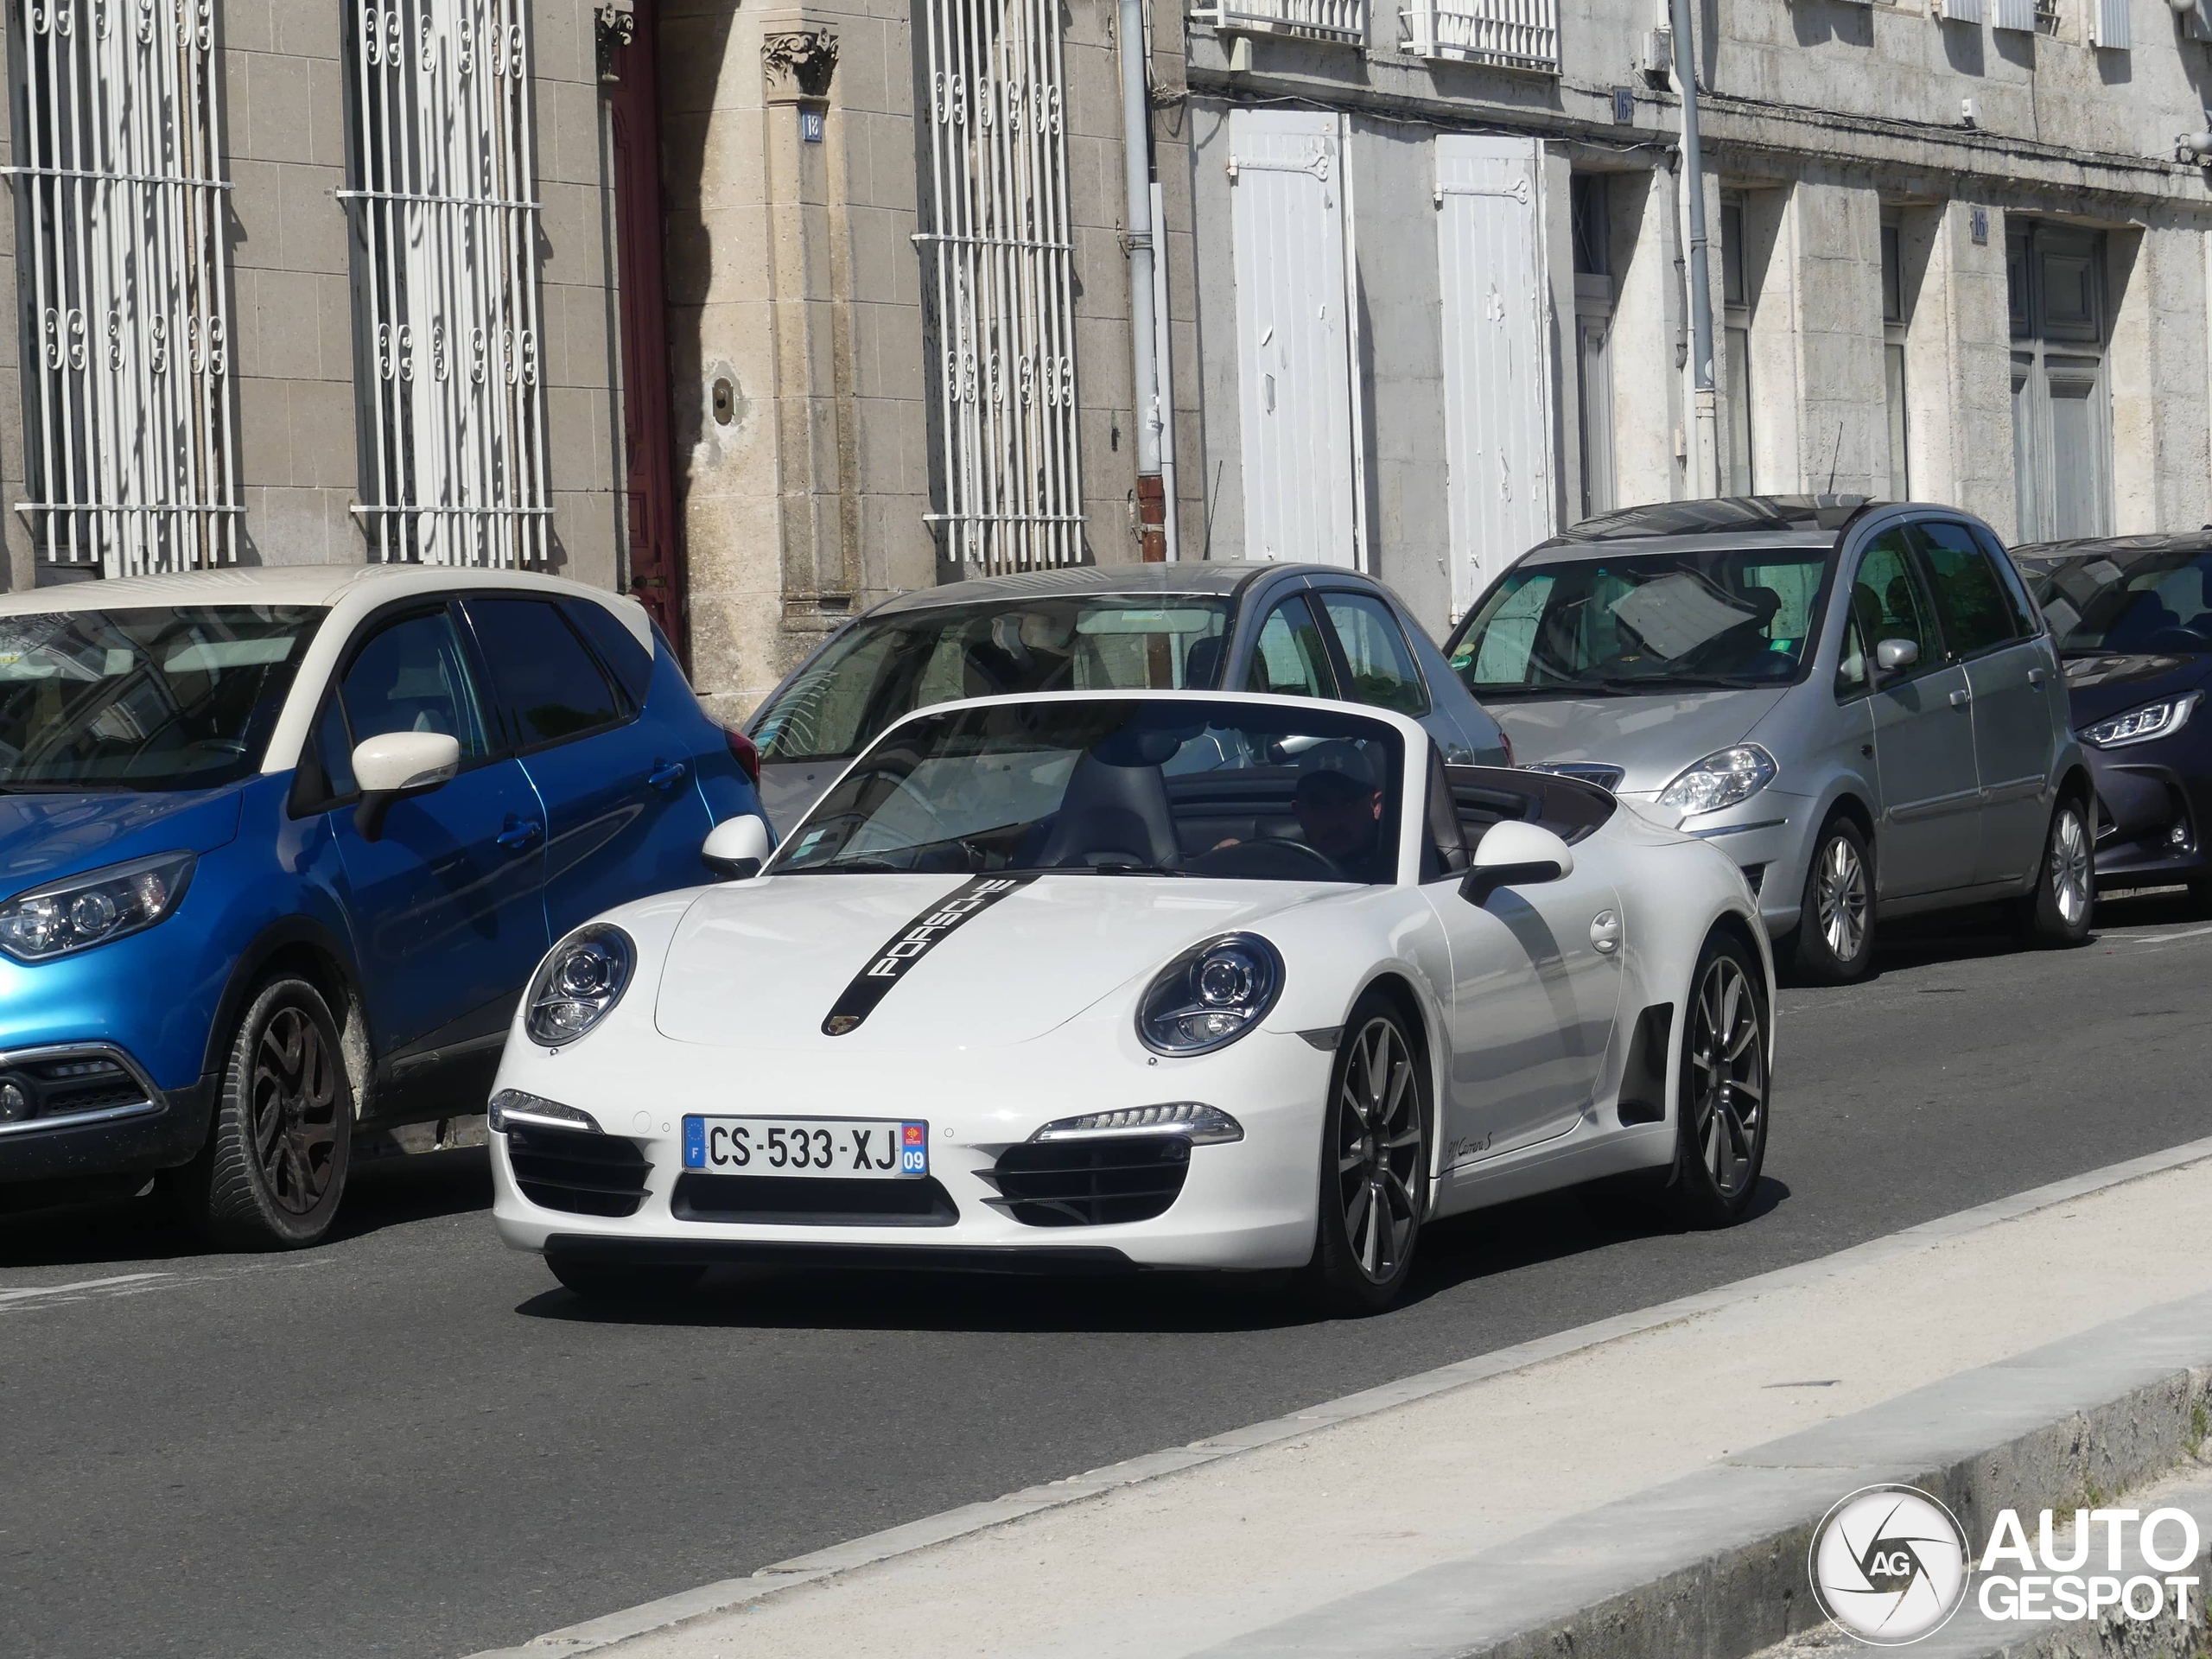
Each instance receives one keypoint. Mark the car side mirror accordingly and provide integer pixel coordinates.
(391, 768)
(1895, 655)
(1515, 854)
(736, 848)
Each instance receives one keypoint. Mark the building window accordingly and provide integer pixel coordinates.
(2061, 402)
(447, 340)
(998, 264)
(1512, 33)
(1893, 328)
(130, 461)
(2047, 17)
(1589, 198)
(1735, 311)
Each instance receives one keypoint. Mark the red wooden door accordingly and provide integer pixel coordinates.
(656, 546)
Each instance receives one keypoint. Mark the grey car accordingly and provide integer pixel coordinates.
(1856, 700)
(1301, 630)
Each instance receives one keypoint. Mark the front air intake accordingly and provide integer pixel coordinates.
(1095, 1182)
(584, 1174)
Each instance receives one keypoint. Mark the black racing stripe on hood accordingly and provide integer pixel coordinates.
(913, 942)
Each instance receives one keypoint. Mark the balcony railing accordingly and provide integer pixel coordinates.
(1515, 34)
(1312, 20)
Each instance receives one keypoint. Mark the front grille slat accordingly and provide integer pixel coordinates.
(582, 1174)
(1100, 1183)
(808, 1201)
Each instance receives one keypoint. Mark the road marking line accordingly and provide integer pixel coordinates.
(2157, 938)
(593, 1636)
(29, 1291)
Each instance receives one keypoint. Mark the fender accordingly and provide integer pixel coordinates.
(251, 967)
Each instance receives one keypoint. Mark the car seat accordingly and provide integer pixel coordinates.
(1202, 663)
(1115, 812)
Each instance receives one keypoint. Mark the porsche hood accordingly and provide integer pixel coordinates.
(912, 963)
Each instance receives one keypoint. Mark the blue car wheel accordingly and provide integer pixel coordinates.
(274, 1165)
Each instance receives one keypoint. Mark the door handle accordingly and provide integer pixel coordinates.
(1960, 699)
(2035, 677)
(519, 834)
(667, 776)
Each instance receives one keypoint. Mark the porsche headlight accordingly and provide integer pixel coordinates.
(579, 983)
(92, 908)
(1724, 777)
(1210, 995)
(2153, 720)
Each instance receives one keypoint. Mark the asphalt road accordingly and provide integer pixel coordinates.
(412, 1443)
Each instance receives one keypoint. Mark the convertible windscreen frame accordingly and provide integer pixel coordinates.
(1210, 787)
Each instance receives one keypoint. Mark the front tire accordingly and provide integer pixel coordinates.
(1835, 926)
(1720, 1110)
(274, 1167)
(2054, 914)
(616, 1284)
(1374, 1174)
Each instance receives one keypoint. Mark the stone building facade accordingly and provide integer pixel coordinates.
(1954, 256)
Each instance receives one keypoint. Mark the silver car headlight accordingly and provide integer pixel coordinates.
(1724, 777)
(1210, 995)
(579, 983)
(2153, 720)
(91, 909)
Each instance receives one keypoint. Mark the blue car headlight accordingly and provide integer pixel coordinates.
(82, 911)
(579, 983)
(2144, 725)
(1210, 995)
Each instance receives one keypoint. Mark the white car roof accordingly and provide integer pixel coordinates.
(326, 585)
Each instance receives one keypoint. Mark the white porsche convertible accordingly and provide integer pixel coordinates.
(1150, 980)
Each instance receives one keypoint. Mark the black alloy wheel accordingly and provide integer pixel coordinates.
(1835, 925)
(1374, 1164)
(274, 1165)
(1721, 1102)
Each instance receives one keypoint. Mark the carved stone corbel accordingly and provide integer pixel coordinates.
(798, 63)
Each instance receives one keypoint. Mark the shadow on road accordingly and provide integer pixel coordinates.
(387, 1192)
(1456, 1252)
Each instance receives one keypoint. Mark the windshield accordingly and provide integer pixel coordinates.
(2156, 601)
(164, 699)
(1118, 786)
(882, 669)
(1743, 617)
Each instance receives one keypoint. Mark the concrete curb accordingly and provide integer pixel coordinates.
(593, 1636)
(1715, 1561)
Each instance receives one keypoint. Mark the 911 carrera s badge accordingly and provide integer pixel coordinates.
(913, 942)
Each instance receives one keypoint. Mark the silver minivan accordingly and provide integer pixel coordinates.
(1854, 699)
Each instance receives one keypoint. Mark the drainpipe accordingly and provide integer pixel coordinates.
(1137, 154)
(1708, 410)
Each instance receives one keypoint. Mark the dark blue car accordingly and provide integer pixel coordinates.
(2132, 617)
(279, 849)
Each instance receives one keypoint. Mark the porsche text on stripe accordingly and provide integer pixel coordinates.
(913, 942)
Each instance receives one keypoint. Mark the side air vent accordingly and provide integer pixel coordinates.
(1643, 1074)
(583, 1174)
(1093, 1183)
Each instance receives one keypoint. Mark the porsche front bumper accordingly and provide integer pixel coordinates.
(1244, 1204)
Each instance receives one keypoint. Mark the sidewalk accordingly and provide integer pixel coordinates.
(1441, 1509)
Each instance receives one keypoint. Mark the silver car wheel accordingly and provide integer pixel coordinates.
(1840, 897)
(1378, 1149)
(2069, 866)
(1728, 1067)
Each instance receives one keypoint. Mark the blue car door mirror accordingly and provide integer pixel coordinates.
(396, 765)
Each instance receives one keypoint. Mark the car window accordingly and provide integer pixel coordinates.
(1288, 658)
(551, 688)
(1970, 598)
(2026, 618)
(1382, 664)
(2124, 599)
(413, 677)
(618, 647)
(1886, 603)
(883, 668)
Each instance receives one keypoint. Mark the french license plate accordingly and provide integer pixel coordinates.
(849, 1148)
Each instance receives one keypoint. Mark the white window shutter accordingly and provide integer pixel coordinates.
(2018, 14)
(2108, 24)
(1962, 11)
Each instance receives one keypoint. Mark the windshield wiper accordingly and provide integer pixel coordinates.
(1133, 869)
(1718, 681)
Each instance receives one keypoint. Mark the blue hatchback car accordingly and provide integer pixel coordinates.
(279, 849)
